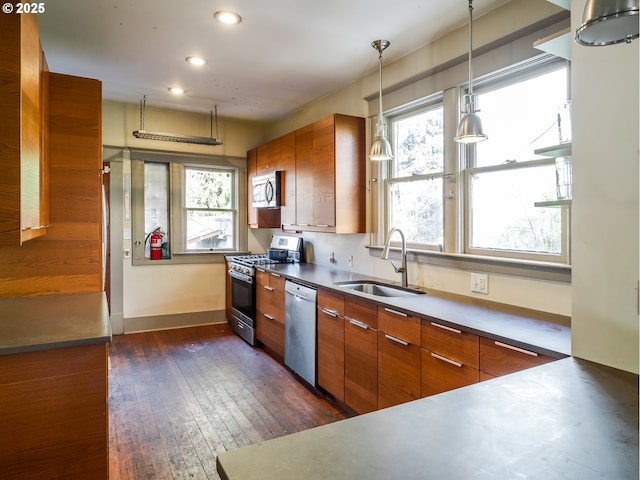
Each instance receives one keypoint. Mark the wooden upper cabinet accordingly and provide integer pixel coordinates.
(330, 175)
(287, 165)
(22, 102)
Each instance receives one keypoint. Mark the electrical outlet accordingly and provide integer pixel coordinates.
(480, 283)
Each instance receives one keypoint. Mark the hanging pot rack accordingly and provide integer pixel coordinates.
(174, 137)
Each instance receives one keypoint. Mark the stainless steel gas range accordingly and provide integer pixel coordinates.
(283, 249)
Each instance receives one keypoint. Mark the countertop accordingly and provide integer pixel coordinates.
(45, 322)
(535, 331)
(570, 419)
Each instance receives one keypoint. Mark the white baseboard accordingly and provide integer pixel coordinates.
(167, 322)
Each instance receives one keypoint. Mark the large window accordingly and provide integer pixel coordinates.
(488, 203)
(505, 177)
(188, 206)
(414, 186)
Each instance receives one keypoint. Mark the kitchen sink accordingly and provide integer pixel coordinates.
(379, 289)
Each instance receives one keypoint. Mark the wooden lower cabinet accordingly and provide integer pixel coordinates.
(440, 374)
(499, 358)
(361, 355)
(54, 414)
(331, 343)
(398, 371)
(270, 311)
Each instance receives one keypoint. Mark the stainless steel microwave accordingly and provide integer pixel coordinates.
(266, 190)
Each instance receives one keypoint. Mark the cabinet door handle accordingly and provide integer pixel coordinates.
(359, 324)
(275, 274)
(511, 347)
(322, 225)
(391, 310)
(397, 340)
(449, 329)
(268, 316)
(331, 313)
(445, 359)
(267, 288)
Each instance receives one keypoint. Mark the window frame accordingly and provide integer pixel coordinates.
(414, 109)
(456, 179)
(177, 222)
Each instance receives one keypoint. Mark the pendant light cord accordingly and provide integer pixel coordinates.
(470, 46)
(380, 120)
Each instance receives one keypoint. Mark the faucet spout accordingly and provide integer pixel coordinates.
(403, 259)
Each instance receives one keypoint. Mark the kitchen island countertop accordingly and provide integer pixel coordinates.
(570, 419)
(29, 324)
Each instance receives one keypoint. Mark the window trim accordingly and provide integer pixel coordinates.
(137, 159)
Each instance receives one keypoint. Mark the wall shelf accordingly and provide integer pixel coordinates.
(561, 150)
(553, 203)
(558, 44)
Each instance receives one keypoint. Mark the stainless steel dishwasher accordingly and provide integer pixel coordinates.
(300, 330)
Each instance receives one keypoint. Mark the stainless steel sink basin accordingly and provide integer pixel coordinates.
(379, 289)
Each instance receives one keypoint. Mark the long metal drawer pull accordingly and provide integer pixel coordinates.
(397, 340)
(445, 359)
(449, 329)
(268, 316)
(267, 288)
(511, 347)
(275, 274)
(391, 310)
(331, 313)
(364, 326)
(322, 225)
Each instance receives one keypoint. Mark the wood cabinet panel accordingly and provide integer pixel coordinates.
(450, 342)
(331, 346)
(270, 311)
(23, 203)
(399, 324)
(324, 173)
(361, 367)
(54, 414)
(497, 358)
(361, 355)
(304, 176)
(398, 371)
(69, 258)
(288, 182)
(440, 374)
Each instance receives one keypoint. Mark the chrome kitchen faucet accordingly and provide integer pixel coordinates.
(403, 259)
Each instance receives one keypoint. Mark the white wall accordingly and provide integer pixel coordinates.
(172, 289)
(605, 201)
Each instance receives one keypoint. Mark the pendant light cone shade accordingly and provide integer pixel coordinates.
(470, 126)
(381, 148)
(607, 22)
(470, 129)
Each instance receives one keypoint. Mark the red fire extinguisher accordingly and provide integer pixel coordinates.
(156, 244)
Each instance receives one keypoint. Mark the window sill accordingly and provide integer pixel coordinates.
(556, 272)
(189, 258)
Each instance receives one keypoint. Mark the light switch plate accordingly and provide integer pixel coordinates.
(480, 283)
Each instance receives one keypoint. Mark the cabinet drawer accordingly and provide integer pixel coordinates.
(399, 324)
(398, 371)
(360, 367)
(451, 343)
(332, 302)
(440, 374)
(498, 358)
(271, 333)
(270, 302)
(276, 281)
(363, 311)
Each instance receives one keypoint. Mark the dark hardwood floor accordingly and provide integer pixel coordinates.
(178, 397)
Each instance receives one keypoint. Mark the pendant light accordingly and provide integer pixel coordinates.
(470, 127)
(381, 148)
(607, 22)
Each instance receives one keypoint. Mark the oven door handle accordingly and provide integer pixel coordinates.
(240, 276)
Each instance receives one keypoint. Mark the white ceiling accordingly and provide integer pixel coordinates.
(284, 54)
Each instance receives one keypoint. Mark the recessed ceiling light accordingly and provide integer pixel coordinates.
(230, 18)
(196, 61)
(177, 90)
